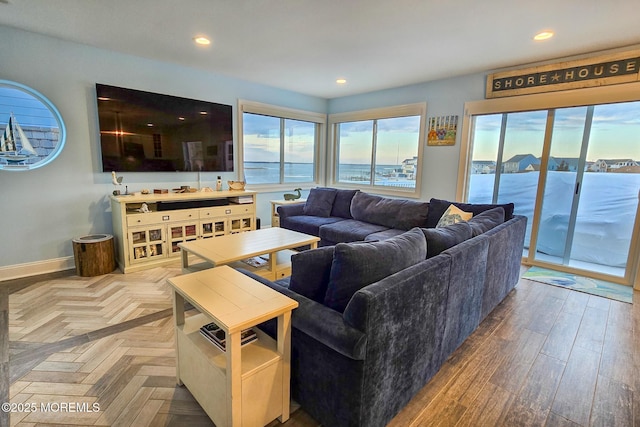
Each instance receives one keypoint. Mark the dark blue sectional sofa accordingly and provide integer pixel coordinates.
(350, 215)
(378, 318)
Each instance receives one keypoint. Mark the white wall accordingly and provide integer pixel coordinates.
(43, 209)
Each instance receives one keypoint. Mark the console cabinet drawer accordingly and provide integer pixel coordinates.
(159, 217)
(226, 210)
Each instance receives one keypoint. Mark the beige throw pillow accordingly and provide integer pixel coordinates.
(452, 215)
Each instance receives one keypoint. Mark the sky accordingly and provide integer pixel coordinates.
(27, 110)
(615, 133)
(397, 140)
(262, 139)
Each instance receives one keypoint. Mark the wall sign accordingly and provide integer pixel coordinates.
(597, 71)
(32, 132)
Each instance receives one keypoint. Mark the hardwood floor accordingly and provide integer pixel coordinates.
(545, 357)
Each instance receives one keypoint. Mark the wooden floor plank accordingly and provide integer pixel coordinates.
(575, 394)
(592, 329)
(560, 340)
(518, 360)
(613, 404)
(488, 408)
(533, 402)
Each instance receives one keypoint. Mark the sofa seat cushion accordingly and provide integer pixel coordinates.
(310, 272)
(356, 265)
(383, 235)
(348, 230)
(307, 224)
(486, 220)
(392, 213)
(320, 202)
(442, 238)
(437, 207)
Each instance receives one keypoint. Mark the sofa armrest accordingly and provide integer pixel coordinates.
(321, 323)
(404, 319)
(291, 210)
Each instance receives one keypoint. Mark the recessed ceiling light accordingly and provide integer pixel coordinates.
(341, 81)
(204, 113)
(202, 40)
(180, 118)
(150, 124)
(543, 35)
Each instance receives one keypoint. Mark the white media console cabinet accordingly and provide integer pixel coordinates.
(149, 239)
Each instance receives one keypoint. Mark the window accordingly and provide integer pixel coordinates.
(379, 149)
(157, 145)
(279, 145)
(570, 163)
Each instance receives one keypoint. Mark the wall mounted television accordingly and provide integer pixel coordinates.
(149, 132)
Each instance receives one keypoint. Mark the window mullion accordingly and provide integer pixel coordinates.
(374, 143)
(498, 173)
(282, 132)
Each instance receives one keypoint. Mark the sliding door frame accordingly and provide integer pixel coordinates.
(628, 92)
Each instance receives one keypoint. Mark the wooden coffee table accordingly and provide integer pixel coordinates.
(276, 243)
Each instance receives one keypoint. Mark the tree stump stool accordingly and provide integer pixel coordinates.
(94, 255)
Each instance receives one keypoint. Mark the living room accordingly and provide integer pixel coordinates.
(45, 208)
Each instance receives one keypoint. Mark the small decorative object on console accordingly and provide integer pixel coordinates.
(116, 180)
(291, 196)
(236, 185)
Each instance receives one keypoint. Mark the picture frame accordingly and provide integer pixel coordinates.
(442, 130)
(32, 132)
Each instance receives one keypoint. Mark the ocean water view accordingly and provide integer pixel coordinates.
(269, 172)
(604, 223)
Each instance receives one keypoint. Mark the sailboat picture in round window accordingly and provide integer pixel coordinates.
(32, 132)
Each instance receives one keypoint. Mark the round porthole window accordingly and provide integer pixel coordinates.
(32, 132)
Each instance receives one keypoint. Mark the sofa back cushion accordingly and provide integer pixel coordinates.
(320, 202)
(437, 208)
(393, 213)
(342, 203)
(356, 265)
(442, 238)
(486, 220)
(310, 272)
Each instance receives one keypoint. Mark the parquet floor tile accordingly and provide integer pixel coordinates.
(60, 308)
(105, 341)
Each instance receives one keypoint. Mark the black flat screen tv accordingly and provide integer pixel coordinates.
(149, 132)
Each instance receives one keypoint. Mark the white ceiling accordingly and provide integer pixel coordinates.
(305, 45)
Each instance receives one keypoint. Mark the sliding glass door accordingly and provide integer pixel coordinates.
(505, 146)
(574, 172)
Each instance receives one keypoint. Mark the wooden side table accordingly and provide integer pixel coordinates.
(275, 218)
(243, 385)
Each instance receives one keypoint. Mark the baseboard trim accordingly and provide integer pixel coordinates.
(18, 271)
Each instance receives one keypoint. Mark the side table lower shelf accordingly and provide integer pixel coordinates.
(202, 368)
